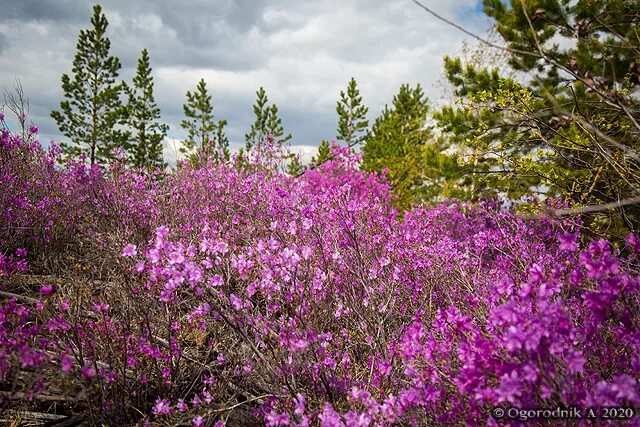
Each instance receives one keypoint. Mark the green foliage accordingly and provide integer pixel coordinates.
(92, 110)
(146, 142)
(402, 143)
(274, 127)
(203, 133)
(324, 153)
(295, 167)
(352, 122)
(267, 123)
(572, 129)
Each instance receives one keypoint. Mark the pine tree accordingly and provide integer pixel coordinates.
(295, 166)
(568, 126)
(324, 153)
(256, 135)
(146, 142)
(274, 127)
(92, 110)
(266, 123)
(222, 142)
(352, 122)
(402, 142)
(200, 126)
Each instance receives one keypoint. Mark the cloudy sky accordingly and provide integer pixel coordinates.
(302, 52)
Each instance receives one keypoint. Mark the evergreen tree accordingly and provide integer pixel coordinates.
(266, 123)
(146, 142)
(352, 122)
(569, 127)
(257, 135)
(92, 109)
(401, 142)
(222, 142)
(295, 166)
(200, 125)
(274, 127)
(324, 152)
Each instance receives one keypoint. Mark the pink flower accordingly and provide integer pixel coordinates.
(575, 362)
(130, 250)
(66, 363)
(277, 419)
(162, 407)
(88, 371)
(46, 290)
(568, 242)
(236, 303)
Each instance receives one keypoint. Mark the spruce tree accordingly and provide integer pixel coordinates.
(148, 133)
(200, 125)
(92, 110)
(352, 122)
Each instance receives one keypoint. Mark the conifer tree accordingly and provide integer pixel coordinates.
(401, 142)
(568, 125)
(148, 133)
(267, 123)
(295, 166)
(324, 152)
(200, 125)
(352, 122)
(92, 110)
(257, 133)
(222, 142)
(274, 127)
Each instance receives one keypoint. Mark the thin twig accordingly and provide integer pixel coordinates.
(586, 209)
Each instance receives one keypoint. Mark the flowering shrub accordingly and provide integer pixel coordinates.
(228, 294)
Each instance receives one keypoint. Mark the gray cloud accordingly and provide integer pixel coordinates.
(303, 53)
(4, 43)
(46, 10)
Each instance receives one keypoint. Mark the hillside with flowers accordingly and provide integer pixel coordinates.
(234, 294)
(465, 262)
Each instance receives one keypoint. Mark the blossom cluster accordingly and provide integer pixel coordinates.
(224, 291)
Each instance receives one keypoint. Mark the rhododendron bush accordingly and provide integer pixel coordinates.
(232, 293)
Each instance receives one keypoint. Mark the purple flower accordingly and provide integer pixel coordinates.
(575, 362)
(88, 371)
(510, 388)
(130, 250)
(568, 242)
(46, 290)
(236, 303)
(162, 407)
(66, 363)
(329, 417)
(505, 286)
(633, 242)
